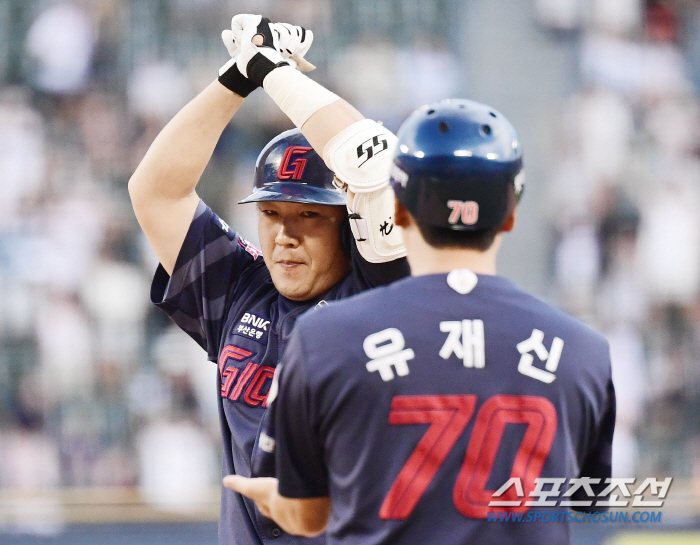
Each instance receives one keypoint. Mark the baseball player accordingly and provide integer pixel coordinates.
(403, 413)
(240, 304)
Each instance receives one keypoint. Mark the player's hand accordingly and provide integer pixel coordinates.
(293, 43)
(259, 489)
(229, 74)
(258, 54)
(265, 46)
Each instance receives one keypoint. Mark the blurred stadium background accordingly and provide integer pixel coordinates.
(108, 423)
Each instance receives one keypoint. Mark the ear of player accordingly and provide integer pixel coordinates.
(458, 165)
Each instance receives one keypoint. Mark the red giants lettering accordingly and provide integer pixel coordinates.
(297, 167)
(250, 384)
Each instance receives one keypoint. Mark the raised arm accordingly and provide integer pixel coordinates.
(356, 149)
(162, 188)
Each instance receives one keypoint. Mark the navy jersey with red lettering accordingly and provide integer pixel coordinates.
(222, 295)
(411, 405)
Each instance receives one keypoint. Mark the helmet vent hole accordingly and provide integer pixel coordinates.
(486, 129)
(431, 112)
(492, 114)
(443, 127)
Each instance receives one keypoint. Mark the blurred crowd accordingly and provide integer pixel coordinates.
(97, 388)
(624, 196)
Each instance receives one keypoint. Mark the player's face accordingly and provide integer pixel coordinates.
(301, 246)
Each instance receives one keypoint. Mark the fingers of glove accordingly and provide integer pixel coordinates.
(258, 50)
(248, 25)
(305, 44)
(285, 38)
(269, 39)
(293, 40)
(236, 33)
(229, 42)
(259, 30)
(242, 20)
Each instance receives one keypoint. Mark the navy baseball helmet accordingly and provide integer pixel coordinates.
(288, 169)
(458, 165)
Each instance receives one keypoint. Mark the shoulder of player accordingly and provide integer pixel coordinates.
(565, 321)
(208, 241)
(345, 314)
(345, 309)
(205, 219)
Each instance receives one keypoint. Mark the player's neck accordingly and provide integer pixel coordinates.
(425, 259)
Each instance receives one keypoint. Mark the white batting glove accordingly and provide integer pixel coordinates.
(254, 61)
(293, 43)
(229, 74)
(282, 44)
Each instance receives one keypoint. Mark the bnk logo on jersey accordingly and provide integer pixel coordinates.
(293, 170)
(253, 327)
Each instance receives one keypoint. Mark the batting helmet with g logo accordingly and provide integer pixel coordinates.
(458, 165)
(288, 169)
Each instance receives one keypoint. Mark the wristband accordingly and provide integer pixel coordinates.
(298, 96)
(231, 78)
(260, 66)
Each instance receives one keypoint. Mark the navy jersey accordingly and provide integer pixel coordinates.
(222, 295)
(411, 405)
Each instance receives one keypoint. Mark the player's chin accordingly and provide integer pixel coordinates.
(289, 276)
(293, 284)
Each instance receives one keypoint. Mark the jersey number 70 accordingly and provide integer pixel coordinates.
(448, 415)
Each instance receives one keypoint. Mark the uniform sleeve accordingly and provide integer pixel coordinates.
(298, 448)
(208, 268)
(598, 462)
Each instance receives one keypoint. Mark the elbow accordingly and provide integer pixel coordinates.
(314, 518)
(305, 528)
(139, 193)
(312, 527)
(314, 532)
(133, 188)
(302, 517)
